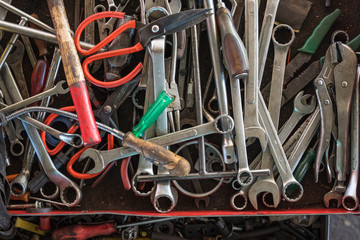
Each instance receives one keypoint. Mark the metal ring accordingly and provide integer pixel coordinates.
(199, 195)
(222, 117)
(133, 97)
(283, 26)
(51, 196)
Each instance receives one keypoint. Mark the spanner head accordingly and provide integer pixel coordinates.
(301, 105)
(96, 156)
(17, 54)
(331, 196)
(60, 89)
(239, 200)
(264, 185)
(259, 133)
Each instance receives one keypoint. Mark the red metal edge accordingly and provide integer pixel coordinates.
(310, 211)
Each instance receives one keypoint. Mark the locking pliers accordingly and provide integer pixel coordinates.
(336, 82)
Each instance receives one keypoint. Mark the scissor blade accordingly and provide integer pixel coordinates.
(171, 24)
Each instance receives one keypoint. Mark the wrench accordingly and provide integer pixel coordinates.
(281, 50)
(56, 90)
(332, 196)
(103, 158)
(350, 200)
(301, 109)
(265, 34)
(227, 143)
(14, 60)
(54, 175)
(251, 121)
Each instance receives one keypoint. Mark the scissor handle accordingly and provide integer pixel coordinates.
(109, 54)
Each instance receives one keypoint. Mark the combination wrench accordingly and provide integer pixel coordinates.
(56, 90)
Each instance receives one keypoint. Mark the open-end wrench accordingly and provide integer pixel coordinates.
(103, 158)
(56, 90)
(251, 121)
(14, 60)
(301, 109)
(265, 34)
(227, 144)
(350, 199)
(332, 196)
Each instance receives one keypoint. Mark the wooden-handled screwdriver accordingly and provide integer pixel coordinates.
(74, 73)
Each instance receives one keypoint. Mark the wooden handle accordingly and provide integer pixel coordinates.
(39, 43)
(74, 73)
(158, 155)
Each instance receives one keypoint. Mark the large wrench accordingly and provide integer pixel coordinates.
(251, 121)
(56, 90)
(103, 158)
(265, 34)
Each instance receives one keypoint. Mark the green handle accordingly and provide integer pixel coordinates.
(304, 165)
(152, 113)
(313, 42)
(353, 44)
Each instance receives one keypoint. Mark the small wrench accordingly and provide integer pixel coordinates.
(333, 195)
(56, 90)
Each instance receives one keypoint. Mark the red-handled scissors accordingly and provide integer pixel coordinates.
(163, 26)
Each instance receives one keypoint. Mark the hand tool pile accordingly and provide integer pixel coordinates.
(170, 145)
(103, 226)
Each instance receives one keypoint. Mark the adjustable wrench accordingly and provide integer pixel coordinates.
(103, 158)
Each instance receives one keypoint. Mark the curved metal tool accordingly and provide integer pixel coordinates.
(332, 196)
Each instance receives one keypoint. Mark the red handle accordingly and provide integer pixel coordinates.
(108, 54)
(39, 77)
(83, 232)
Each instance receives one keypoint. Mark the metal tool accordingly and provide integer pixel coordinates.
(54, 175)
(301, 109)
(293, 13)
(237, 67)
(3, 12)
(56, 90)
(14, 60)
(103, 158)
(227, 143)
(350, 200)
(311, 45)
(333, 196)
(265, 34)
(251, 121)
(281, 49)
(339, 72)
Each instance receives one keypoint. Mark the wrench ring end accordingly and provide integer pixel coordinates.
(293, 191)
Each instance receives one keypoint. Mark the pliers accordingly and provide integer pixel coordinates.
(336, 83)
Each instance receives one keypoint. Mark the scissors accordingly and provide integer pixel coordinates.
(164, 26)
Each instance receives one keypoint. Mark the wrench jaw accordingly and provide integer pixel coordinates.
(259, 133)
(332, 197)
(300, 103)
(264, 185)
(145, 191)
(239, 200)
(164, 199)
(70, 194)
(350, 202)
(245, 177)
(97, 159)
(289, 194)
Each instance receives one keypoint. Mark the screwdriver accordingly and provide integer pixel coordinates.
(82, 232)
(304, 165)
